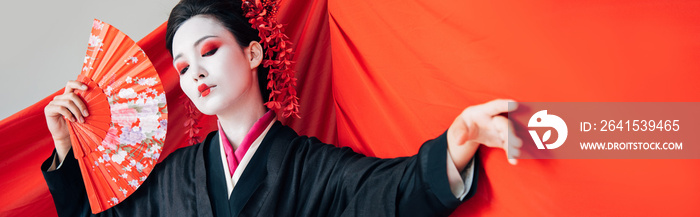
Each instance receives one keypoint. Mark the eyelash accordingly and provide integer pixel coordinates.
(211, 52)
(183, 70)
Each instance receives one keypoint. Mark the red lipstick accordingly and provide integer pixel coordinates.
(204, 90)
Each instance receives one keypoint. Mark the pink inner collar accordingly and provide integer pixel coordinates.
(252, 135)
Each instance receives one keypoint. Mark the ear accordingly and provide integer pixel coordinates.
(254, 54)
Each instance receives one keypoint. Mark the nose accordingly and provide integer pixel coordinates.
(199, 73)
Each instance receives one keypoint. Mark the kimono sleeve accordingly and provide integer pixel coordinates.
(173, 188)
(66, 186)
(345, 183)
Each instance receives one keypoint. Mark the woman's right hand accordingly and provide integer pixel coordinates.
(67, 106)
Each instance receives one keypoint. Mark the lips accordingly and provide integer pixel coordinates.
(204, 89)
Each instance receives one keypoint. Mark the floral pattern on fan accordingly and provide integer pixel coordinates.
(135, 122)
(122, 138)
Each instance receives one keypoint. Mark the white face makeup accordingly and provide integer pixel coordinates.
(215, 72)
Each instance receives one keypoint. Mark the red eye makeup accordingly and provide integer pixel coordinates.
(181, 67)
(210, 47)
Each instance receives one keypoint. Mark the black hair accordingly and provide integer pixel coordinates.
(230, 14)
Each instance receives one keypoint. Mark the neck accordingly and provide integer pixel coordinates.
(238, 124)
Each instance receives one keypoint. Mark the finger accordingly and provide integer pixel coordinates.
(510, 144)
(78, 101)
(72, 108)
(499, 106)
(51, 110)
(63, 111)
(500, 124)
(514, 139)
(513, 152)
(514, 144)
(74, 85)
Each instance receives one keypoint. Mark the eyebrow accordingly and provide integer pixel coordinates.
(195, 44)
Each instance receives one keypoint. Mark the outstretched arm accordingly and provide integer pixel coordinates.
(482, 124)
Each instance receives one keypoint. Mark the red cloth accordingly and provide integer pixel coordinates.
(403, 70)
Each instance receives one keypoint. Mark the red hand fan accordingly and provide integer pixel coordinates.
(122, 138)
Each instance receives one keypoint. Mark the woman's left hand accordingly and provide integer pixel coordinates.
(482, 124)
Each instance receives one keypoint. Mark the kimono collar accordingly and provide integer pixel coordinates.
(257, 129)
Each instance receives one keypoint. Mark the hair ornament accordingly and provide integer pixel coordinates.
(278, 56)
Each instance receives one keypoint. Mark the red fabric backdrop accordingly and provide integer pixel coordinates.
(384, 76)
(403, 70)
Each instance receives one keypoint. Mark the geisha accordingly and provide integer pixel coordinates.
(255, 166)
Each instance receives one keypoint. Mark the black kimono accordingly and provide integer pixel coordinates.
(289, 175)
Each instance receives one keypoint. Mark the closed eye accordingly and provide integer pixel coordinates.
(210, 52)
(183, 70)
(181, 67)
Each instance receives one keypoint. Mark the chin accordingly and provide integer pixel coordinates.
(207, 113)
(204, 107)
(204, 110)
(212, 107)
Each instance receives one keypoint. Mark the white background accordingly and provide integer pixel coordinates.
(44, 42)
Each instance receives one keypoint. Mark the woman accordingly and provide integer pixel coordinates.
(253, 165)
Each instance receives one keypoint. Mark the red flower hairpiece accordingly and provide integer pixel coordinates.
(278, 56)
